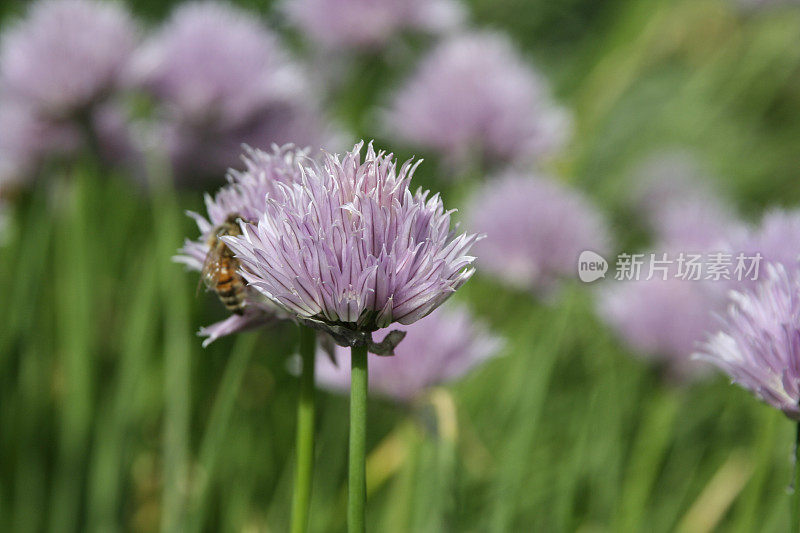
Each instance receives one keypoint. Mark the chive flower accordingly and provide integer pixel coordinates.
(26, 140)
(370, 24)
(536, 229)
(664, 320)
(758, 345)
(244, 199)
(66, 55)
(221, 79)
(475, 100)
(350, 249)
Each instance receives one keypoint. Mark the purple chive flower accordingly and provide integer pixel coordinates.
(535, 230)
(475, 100)
(759, 343)
(25, 139)
(696, 225)
(370, 24)
(437, 349)
(350, 249)
(198, 155)
(265, 174)
(664, 320)
(223, 79)
(66, 55)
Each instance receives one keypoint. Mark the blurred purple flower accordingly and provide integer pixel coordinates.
(66, 55)
(351, 248)
(264, 174)
(223, 79)
(25, 139)
(759, 344)
(198, 153)
(696, 225)
(437, 349)
(370, 24)
(536, 228)
(476, 101)
(664, 319)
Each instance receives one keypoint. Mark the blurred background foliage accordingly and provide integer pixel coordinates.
(112, 417)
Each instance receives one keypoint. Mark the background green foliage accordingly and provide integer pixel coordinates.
(112, 417)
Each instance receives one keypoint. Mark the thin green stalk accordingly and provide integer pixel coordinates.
(176, 349)
(796, 492)
(213, 443)
(114, 423)
(356, 479)
(538, 363)
(650, 447)
(304, 472)
(74, 300)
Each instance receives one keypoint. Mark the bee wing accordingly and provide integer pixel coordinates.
(210, 270)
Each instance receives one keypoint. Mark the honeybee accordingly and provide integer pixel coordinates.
(220, 269)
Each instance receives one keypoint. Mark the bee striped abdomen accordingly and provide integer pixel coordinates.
(230, 287)
(219, 271)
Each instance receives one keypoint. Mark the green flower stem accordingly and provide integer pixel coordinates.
(356, 485)
(305, 433)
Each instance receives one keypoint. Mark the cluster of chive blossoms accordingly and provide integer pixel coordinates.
(476, 101)
(244, 196)
(759, 344)
(222, 79)
(437, 349)
(57, 83)
(42, 53)
(370, 24)
(349, 248)
(666, 319)
(536, 229)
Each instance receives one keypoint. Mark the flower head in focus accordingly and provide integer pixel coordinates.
(243, 198)
(759, 343)
(535, 230)
(369, 24)
(437, 349)
(66, 55)
(350, 249)
(222, 80)
(475, 100)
